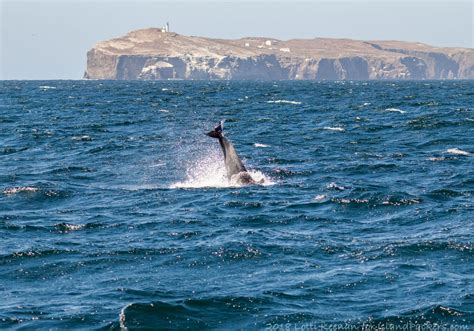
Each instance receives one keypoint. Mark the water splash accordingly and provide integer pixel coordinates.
(209, 171)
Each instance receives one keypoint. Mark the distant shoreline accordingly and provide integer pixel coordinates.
(156, 54)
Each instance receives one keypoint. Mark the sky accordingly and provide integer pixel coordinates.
(50, 39)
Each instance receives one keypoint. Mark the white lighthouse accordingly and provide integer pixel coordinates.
(166, 27)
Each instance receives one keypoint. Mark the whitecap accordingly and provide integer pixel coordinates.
(437, 158)
(319, 197)
(19, 189)
(457, 151)
(366, 104)
(335, 128)
(157, 165)
(46, 87)
(395, 110)
(334, 186)
(285, 101)
(65, 227)
(164, 110)
(261, 145)
(82, 138)
(122, 318)
(165, 89)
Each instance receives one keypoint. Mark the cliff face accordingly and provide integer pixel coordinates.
(151, 54)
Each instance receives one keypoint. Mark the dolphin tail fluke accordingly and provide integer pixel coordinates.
(217, 132)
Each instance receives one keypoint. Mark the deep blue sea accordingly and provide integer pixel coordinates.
(115, 211)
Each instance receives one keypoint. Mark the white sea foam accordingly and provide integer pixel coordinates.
(157, 165)
(165, 89)
(366, 104)
(335, 186)
(261, 145)
(210, 171)
(319, 197)
(457, 151)
(46, 87)
(395, 110)
(82, 138)
(122, 317)
(164, 110)
(285, 101)
(335, 128)
(437, 158)
(71, 227)
(19, 189)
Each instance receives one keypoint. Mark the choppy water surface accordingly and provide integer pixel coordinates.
(115, 211)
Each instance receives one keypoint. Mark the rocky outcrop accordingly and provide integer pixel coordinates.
(151, 54)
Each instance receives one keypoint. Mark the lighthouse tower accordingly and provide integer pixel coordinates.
(166, 27)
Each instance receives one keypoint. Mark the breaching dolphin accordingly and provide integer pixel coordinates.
(236, 170)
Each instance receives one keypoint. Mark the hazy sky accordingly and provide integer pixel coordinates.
(50, 39)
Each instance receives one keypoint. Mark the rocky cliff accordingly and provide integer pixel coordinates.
(153, 54)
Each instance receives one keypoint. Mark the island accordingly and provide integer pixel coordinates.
(158, 54)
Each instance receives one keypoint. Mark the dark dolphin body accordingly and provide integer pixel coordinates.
(233, 163)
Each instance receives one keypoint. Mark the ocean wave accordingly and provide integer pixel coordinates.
(67, 227)
(58, 227)
(282, 173)
(32, 253)
(375, 200)
(261, 145)
(432, 121)
(12, 150)
(433, 317)
(444, 193)
(457, 151)
(319, 197)
(82, 138)
(138, 251)
(285, 101)
(437, 158)
(335, 128)
(405, 248)
(36, 193)
(233, 251)
(244, 204)
(395, 110)
(334, 186)
(20, 189)
(203, 313)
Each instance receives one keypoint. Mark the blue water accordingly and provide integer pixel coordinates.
(115, 212)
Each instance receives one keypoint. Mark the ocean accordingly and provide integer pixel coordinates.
(116, 214)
